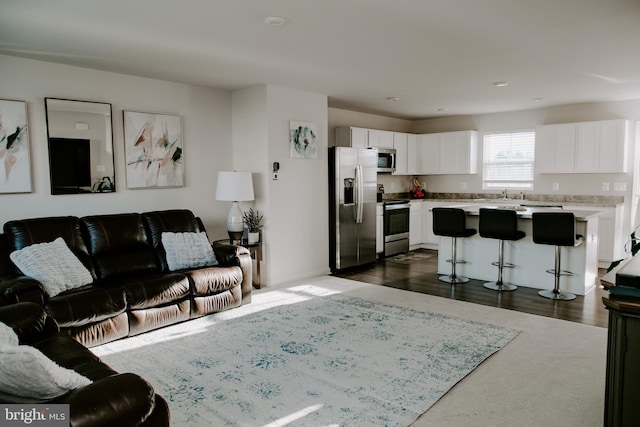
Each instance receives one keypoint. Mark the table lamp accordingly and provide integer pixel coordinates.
(234, 187)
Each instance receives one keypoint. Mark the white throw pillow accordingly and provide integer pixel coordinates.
(28, 375)
(52, 264)
(188, 250)
(7, 335)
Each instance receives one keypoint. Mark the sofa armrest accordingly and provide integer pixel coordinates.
(15, 289)
(227, 255)
(119, 400)
(29, 321)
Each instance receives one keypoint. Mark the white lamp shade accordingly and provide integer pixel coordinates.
(234, 186)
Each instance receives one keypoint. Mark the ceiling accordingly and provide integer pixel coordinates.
(439, 57)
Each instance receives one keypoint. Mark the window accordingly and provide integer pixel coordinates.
(508, 160)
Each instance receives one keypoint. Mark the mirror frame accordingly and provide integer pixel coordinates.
(104, 184)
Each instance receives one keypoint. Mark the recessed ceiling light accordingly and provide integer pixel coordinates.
(538, 99)
(393, 98)
(275, 21)
(442, 110)
(501, 84)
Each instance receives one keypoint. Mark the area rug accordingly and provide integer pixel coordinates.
(329, 360)
(410, 257)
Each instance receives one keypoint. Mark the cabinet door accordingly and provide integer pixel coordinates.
(587, 147)
(545, 149)
(428, 238)
(614, 136)
(359, 137)
(458, 152)
(555, 148)
(379, 229)
(415, 223)
(414, 166)
(400, 144)
(430, 153)
(380, 138)
(564, 148)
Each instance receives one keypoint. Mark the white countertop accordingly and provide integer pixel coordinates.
(526, 212)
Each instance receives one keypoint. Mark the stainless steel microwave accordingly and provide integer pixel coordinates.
(386, 160)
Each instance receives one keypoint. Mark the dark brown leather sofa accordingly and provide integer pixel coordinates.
(133, 290)
(112, 399)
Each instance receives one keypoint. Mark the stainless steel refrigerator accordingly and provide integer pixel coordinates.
(352, 211)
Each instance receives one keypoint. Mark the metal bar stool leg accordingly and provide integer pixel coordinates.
(499, 285)
(453, 278)
(557, 272)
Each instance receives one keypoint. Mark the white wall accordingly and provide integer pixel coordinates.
(206, 115)
(296, 232)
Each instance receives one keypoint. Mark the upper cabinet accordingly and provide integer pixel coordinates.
(449, 153)
(363, 138)
(428, 154)
(352, 137)
(401, 145)
(588, 147)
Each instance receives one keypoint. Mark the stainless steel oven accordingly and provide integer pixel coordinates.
(396, 227)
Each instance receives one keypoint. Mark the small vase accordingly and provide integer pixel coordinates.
(254, 237)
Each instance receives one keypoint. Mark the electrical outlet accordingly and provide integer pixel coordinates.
(463, 185)
(605, 186)
(555, 186)
(619, 186)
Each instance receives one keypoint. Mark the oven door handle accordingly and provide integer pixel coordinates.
(359, 195)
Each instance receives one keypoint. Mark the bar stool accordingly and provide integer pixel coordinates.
(501, 224)
(451, 222)
(557, 229)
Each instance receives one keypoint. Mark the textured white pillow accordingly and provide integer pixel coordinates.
(7, 335)
(27, 374)
(52, 264)
(188, 250)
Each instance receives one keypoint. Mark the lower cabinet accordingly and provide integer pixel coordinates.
(379, 229)
(430, 240)
(623, 370)
(415, 223)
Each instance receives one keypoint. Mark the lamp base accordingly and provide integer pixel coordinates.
(235, 237)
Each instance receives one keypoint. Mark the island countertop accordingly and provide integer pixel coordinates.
(526, 212)
(531, 260)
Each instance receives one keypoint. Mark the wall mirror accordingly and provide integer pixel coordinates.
(80, 146)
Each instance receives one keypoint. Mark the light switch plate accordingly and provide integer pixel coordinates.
(555, 186)
(619, 186)
(605, 186)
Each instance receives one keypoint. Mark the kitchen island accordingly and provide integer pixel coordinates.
(531, 260)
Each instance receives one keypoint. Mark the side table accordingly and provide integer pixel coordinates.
(255, 250)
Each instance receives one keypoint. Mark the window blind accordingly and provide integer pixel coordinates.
(508, 159)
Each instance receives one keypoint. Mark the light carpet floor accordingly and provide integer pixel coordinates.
(551, 374)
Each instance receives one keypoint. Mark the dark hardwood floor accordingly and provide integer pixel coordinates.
(420, 276)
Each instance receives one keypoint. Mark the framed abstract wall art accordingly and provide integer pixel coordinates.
(15, 156)
(302, 140)
(153, 150)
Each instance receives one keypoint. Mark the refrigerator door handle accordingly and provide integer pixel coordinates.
(359, 194)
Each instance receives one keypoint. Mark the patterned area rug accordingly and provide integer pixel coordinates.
(329, 360)
(410, 257)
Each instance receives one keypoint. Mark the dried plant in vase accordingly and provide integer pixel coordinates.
(253, 220)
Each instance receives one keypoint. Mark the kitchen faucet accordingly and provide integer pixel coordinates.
(504, 194)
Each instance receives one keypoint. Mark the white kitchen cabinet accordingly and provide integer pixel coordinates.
(413, 155)
(555, 148)
(587, 147)
(415, 223)
(380, 138)
(449, 153)
(352, 137)
(400, 144)
(379, 229)
(601, 147)
(430, 240)
(429, 153)
(611, 240)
